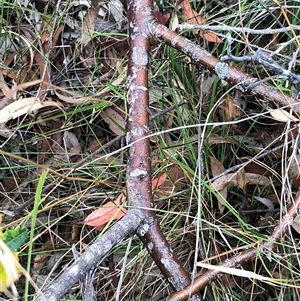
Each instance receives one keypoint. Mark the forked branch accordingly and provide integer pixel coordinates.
(141, 218)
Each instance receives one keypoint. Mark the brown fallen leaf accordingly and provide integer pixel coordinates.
(18, 76)
(252, 179)
(114, 120)
(241, 180)
(193, 17)
(108, 212)
(96, 144)
(11, 93)
(168, 182)
(12, 182)
(162, 18)
(229, 109)
(217, 168)
(158, 181)
(115, 210)
(256, 168)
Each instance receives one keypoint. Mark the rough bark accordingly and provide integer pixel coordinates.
(92, 257)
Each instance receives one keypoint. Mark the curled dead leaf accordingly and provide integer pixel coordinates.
(23, 106)
(282, 115)
(251, 178)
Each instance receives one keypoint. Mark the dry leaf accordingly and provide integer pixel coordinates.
(256, 179)
(217, 139)
(40, 260)
(114, 120)
(11, 93)
(158, 181)
(87, 54)
(71, 143)
(96, 144)
(116, 9)
(23, 106)
(110, 211)
(217, 168)
(177, 176)
(222, 182)
(56, 40)
(44, 68)
(4, 87)
(110, 61)
(193, 17)
(282, 116)
(251, 178)
(294, 171)
(229, 109)
(175, 179)
(76, 98)
(241, 180)
(162, 19)
(174, 22)
(296, 224)
(236, 272)
(88, 24)
(267, 202)
(256, 168)
(169, 182)
(6, 132)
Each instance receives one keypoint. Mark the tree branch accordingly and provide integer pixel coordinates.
(141, 216)
(241, 80)
(140, 14)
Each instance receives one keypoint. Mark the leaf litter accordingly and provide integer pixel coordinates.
(61, 84)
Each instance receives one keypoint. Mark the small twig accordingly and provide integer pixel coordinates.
(266, 31)
(259, 211)
(86, 281)
(241, 80)
(262, 59)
